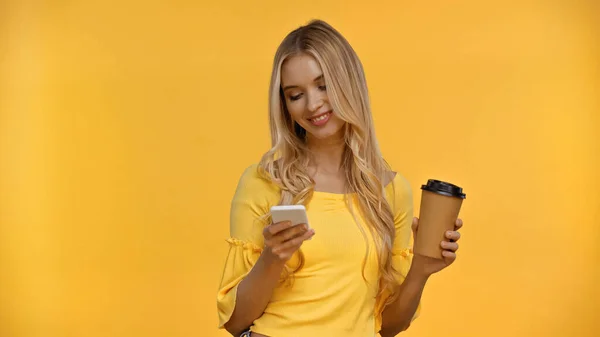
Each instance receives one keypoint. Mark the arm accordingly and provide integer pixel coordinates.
(257, 254)
(255, 290)
(253, 294)
(398, 315)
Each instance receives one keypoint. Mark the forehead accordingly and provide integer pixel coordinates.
(299, 70)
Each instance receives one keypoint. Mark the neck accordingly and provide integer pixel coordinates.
(326, 154)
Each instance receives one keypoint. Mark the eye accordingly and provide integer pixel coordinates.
(295, 97)
(323, 87)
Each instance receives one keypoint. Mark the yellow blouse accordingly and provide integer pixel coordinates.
(329, 296)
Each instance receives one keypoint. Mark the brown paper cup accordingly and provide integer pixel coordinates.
(440, 206)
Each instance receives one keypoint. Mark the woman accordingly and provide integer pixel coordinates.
(351, 272)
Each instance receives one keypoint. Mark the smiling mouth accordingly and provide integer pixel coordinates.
(320, 117)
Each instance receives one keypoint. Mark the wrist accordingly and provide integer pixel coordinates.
(418, 270)
(417, 276)
(271, 262)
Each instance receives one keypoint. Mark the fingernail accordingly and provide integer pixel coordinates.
(305, 226)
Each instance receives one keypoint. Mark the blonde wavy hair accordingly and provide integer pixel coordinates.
(287, 161)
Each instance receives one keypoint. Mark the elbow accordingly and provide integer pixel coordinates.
(233, 329)
(237, 324)
(393, 331)
(227, 326)
(404, 327)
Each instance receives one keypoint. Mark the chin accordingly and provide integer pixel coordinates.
(327, 133)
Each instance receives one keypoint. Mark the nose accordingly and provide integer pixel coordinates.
(315, 101)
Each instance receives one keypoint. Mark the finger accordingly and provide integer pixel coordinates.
(290, 246)
(290, 233)
(285, 235)
(453, 236)
(449, 257)
(451, 246)
(275, 228)
(415, 223)
(458, 224)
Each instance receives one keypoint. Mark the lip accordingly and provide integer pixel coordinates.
(319, 115)
(324, 119)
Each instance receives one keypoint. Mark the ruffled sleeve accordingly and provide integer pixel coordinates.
(241, 258)
(251, 201)
(401, 200)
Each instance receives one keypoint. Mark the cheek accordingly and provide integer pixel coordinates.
(337, 121)
(295, 110)
(337, 124)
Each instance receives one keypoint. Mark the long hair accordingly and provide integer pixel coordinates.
(286, 162)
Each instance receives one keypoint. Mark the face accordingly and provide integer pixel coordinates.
(306, 98)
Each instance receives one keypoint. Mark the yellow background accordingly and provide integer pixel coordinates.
(124, 127)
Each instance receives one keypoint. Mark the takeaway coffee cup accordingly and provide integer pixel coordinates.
(440, 205)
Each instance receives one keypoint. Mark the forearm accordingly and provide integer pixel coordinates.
(398, 315)
(253, 294)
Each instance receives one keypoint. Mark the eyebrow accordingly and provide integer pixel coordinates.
(318, 78)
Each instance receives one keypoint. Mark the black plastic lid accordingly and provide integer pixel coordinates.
(444, 188)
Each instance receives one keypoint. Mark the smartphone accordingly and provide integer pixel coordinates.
(294, 213)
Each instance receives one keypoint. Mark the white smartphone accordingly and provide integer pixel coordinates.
(294, 213)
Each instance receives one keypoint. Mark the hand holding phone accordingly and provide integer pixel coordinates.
(294, 213)
(287, 232)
